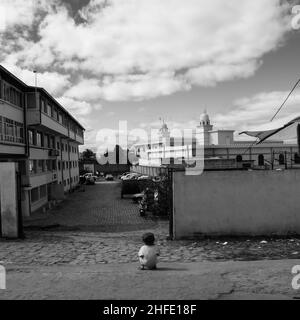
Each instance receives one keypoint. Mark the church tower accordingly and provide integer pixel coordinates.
(204, 128)
(164, 131)
(205, 122)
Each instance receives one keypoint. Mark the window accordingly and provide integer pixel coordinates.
(55, 114)
(20, 133)
(13, 95)
(49, 110)
(31, 137)
(35, 195)
(52, 142)
(58, 145)
(297, 158)
(80, 133)
(54, 166)
(43, 191)
(62, 147)
(48, 165)
(1, 129)
(11, 130)
(41, 166)
(39, 139)
(64, 121)
(261, 160)
(281, 159)
(32, 167)
(59, 165)
(43, 106)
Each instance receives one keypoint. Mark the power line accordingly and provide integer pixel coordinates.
(285, 100)
(282, 105)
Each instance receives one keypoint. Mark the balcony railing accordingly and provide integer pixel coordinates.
(11, 139)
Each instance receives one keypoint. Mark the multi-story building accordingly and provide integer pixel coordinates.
(42, 138)
(216, 146)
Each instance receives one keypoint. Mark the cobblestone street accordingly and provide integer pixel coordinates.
(97, 227)
(91, 227)
(99, 208)
(86, 248)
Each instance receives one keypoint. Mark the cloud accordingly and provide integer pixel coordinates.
(211, 74)
(19, 13)
(86, 89)
(249, 113)
(54, 82)
(255, 113)
(111, 114)
(80, 108)
(141, 109)
(141, 49)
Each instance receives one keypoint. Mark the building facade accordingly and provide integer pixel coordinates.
(42, 139)
(215, 145)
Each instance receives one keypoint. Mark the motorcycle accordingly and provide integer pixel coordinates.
(143, 204)
(143, 207)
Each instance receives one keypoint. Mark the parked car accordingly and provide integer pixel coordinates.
(89, 178)
(124, 174)
(131, 176)
(143, 177)
(109, 177)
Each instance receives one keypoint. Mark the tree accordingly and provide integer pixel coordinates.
(88, 155)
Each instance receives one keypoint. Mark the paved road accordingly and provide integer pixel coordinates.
(207, 280)
(97, 227)
(99, 208)
(93, 255)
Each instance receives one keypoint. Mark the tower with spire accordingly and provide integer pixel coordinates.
(164, 131)
(204, 128)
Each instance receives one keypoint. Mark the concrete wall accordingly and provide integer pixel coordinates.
(237, 203)
(8, 200)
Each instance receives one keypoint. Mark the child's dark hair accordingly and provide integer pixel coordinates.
(149, 239)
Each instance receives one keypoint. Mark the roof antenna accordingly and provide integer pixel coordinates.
(35, 83)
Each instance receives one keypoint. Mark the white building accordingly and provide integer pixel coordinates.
(216, 145)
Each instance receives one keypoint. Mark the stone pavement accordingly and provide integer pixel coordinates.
(99, 208)
(87, 248)
(206, 280)
(97, 227)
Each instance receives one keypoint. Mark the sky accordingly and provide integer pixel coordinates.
(143, 60)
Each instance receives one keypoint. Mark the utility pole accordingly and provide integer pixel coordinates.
(298, 138)
(35, 83)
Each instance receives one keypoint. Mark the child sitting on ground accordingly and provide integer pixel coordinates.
(149, 252)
